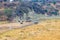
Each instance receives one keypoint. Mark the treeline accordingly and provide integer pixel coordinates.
(26, 7)
(5, 14)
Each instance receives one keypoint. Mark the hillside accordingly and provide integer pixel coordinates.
(45, 30)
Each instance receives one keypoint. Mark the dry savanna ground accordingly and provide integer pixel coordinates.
(45, 30)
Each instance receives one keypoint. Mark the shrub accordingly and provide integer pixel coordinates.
(8, 13)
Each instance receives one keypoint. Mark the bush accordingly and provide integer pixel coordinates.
(8, 13)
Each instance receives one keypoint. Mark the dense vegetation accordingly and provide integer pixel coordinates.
(26, 7)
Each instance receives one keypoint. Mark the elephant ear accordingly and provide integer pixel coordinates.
(27, 5)
(25, 10)
(21, 10)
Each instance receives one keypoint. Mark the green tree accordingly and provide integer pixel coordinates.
(8, 13)
(54, 3)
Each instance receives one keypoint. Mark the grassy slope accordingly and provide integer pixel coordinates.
(46, 30)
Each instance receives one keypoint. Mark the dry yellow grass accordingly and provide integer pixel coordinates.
(46, 30)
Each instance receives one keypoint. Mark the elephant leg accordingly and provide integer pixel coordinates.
(26, 16)
(21, 19)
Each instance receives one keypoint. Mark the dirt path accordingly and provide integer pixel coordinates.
(10, 26)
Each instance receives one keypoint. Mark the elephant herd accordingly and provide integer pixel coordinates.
(26, 7)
